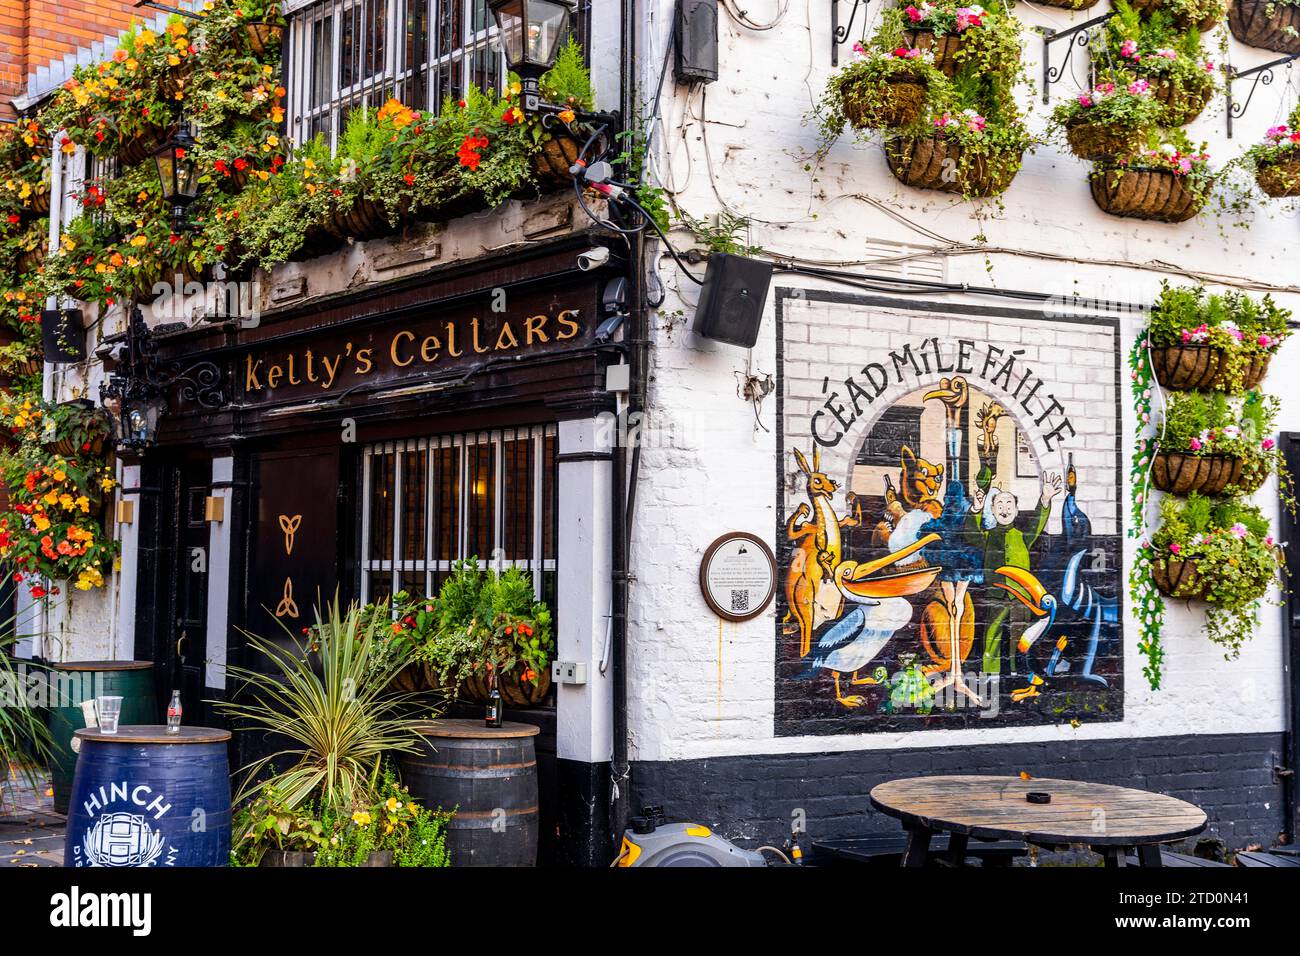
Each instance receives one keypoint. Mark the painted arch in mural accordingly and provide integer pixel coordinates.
(949, 511)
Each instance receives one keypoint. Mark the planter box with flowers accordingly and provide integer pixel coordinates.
(1211, 444)
(1220, 342)
(1267, 24)
(1110, 120)
(1275, 162)
(1222, 553)
(1166, 182)
(1182, 77)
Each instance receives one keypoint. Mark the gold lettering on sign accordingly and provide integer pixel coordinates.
(392, 352)
(287, 607)
(364, 362)
(290, 528)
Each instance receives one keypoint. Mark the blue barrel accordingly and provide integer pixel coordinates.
(144, 797)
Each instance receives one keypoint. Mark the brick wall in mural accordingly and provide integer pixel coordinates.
(948, 517)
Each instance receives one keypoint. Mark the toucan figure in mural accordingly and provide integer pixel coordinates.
(1038, 647)
(876, 591)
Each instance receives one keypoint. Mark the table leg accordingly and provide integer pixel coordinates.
(1113, 856)
(1149, 855)
(918, 847)
(957, 843)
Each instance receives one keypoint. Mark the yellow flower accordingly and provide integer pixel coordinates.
(83, 503)
(132, 64)
(173, 60)
(567, 116)
(361, 818)
(147, 37)
(393, 805)
(273, 140)
(60, 474)
(140, 240)
(51, 497)
(42, 523)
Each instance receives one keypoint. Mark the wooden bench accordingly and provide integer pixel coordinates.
(1171, 859)
(1257, 858)
(886, 850)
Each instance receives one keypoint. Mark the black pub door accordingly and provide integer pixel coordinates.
(172, 608)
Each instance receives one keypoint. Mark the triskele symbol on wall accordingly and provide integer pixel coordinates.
(287, 606)
(290, 528)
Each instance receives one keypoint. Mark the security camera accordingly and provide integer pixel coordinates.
(593, 258)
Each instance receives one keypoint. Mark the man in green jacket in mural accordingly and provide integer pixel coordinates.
(1008, 535)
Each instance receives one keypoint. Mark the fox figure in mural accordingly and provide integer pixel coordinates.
(818, 546)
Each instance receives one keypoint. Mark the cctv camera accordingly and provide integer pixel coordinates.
(593, 258)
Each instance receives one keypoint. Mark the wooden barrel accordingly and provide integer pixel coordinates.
(144, 797)
(75, 681)
(488, 775)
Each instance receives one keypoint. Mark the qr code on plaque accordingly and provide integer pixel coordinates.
(739, 599)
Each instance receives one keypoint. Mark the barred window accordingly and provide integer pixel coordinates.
(429, 502)
(351, 54)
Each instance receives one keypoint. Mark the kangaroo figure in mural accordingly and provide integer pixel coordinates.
(818, 546)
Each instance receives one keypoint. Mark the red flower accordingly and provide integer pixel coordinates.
(38, 592)
(468, 154)
(13, 219)
(241, 164)
(410, 179)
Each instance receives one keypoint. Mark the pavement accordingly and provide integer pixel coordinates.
(31, 833)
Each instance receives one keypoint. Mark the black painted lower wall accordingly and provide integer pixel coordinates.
(751, 799)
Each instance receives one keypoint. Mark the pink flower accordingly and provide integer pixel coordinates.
(1276, 133)
(904, 53)
(914, 14)
(1085, 100)
(1209, 66)
(859, 48)
(1268, 444)
(1138, 87)
(1167, 54)
(1196, 444)
(1265, 342)
(1269, 541)
(1128, 48)
(1174, 548)
(1239, 530)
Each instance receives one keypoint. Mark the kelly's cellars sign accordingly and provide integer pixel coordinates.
(390, 353)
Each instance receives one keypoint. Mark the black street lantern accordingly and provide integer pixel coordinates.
(177, 172)
(531, 31)
(135, 393)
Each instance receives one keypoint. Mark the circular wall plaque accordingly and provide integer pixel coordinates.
(738, 576)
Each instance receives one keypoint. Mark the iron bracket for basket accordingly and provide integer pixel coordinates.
(1079, 36)
(839, 34)
(1263, 74)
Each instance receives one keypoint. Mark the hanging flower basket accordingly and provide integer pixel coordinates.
(942, 48)
(1070, 4)
(185, 273)
(1280, 180)
(68, 448)
(1267, 25)
(1178, 579)
(1183, 105)
(141, 146)
(39, 204)
(1196, 367)
(1148, 7)
(935, 162)
(901, 105)
(363, 219)
(552, 161)
(263, 36)
(28, 260)
(515, 691)
(1182, 474)
(1099, 141)
(1152, 194)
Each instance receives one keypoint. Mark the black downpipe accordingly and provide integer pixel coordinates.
(620, 503)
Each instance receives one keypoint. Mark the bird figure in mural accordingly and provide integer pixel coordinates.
(1039, 651)
(948, 623)
(815, 530)
(877, 610)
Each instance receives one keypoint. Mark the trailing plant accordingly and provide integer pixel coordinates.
(24, 174)
(1171, 59)
(1110, 119)
(724, 234)
(1235, 559)
(880, 89)
(1203, 424)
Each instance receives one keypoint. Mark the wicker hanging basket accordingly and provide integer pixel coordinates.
(551, 163)
(515, 691)
(901, 103)
(1099, 141)
(935, 162)
(1152, 194)
(1200, 367)
(942, 48)
(1182, 106)
(362, 219)
(1252, 24)
(40, 201)
(1147, 7)
(1280, 180)
(140, 146)
(1178, 579)
(1182, 474)
(263, 36)
(1253, 375)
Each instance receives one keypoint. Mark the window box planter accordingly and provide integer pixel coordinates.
(1280, 180)
(364, 219)
(1101, 141)
(1178, 579)
(901, 106)
(934, 162)
(515, 691)
(1251, 22)
(1148, 7)
(942, 48)
(1182, 474)
(1200, 367)
(1137, 193)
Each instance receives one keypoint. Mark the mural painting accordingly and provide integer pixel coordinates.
(949, 522)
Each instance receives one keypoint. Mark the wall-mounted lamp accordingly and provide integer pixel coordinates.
(214, 508)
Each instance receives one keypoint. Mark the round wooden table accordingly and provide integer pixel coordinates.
(1113, 821)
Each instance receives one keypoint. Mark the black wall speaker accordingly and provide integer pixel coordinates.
(731, 304)
(63, 335)
(697, 41)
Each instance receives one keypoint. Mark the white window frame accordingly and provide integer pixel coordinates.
(394, 567)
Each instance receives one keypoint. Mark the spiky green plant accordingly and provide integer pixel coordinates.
(24, 739)
(329, 695)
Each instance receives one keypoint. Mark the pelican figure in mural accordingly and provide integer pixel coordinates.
(875, 592)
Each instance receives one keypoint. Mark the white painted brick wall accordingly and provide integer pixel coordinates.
(700, 687)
